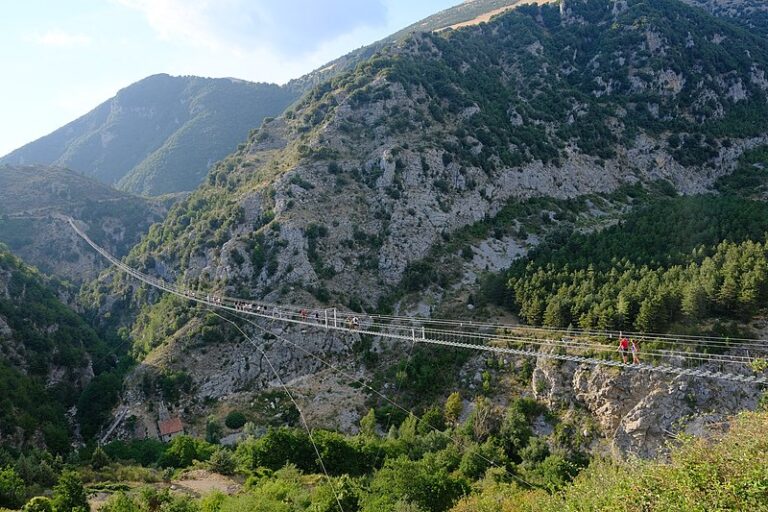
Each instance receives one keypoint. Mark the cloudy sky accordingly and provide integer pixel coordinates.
(62, 58)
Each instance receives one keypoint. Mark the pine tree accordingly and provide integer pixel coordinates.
(453, 407)
(694, 301)
(368, 424)
(99, 459)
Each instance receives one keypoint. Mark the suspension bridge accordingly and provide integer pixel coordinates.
(726, 359)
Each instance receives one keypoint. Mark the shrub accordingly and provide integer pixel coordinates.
(235, 420)
(12, 489)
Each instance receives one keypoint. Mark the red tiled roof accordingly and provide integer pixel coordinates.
(171, 426)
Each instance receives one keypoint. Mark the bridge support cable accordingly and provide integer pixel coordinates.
(293, 401)
(457, 440)
(479, 337)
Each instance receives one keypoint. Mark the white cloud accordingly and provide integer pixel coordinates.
(288, 27)
(60, 38)
(178, 20)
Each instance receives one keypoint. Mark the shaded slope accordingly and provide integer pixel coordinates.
(32, 199)
(160, 134)
(47, 357)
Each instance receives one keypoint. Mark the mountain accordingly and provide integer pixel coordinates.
(443, 131)
(33, 200)
(162, 134)
(464, 14)
(398, 185)
(159, 135)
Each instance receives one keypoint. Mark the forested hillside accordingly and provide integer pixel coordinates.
(752, 14)
(413, 167)
(438, 134)
(50, 361)
(679, 260)
(584, 164)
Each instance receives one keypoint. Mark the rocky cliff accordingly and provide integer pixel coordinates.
(640, 413)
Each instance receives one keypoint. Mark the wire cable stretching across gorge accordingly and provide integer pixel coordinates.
(417, 330)
(338, 371)
(293, 400)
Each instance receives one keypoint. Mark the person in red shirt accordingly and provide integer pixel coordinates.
(624, 348)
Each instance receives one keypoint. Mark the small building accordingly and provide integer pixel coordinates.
(170, 428)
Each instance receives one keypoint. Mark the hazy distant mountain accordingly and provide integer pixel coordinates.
(33, 201)
(160, 134)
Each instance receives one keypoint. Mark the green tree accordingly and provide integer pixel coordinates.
(694, 301)
(99, 459)
(120, 503)
(431, 488)
(40, 504)
(12, 489)
(515, 431)
(368, 424)
(212, 430)
(453, 407)
(432, 419)
(184, 450)
(235, 420)
(222, 461)
(212, 502)
(69, 494)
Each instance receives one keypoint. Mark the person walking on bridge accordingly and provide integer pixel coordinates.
(624, 348)
(635, 352)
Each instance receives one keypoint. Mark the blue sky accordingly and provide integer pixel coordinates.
(62, 58)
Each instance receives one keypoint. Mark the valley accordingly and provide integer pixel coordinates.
(398, 283)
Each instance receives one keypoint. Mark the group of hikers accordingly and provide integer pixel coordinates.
(625, 346)
(350, 323)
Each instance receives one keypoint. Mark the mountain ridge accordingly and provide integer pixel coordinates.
(165, 150)
(159, 135)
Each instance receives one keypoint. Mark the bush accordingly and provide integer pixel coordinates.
(38, 504)
(69, 494)
(12, 489)
(235, 420)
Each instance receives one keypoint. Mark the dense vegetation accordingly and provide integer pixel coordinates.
(486, 464)
(750, 179)
(46, 350)
(675, 260)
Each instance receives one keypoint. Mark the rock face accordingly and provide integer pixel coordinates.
(751, 13)
(234, 370)
(639, 412)
(369, 174)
